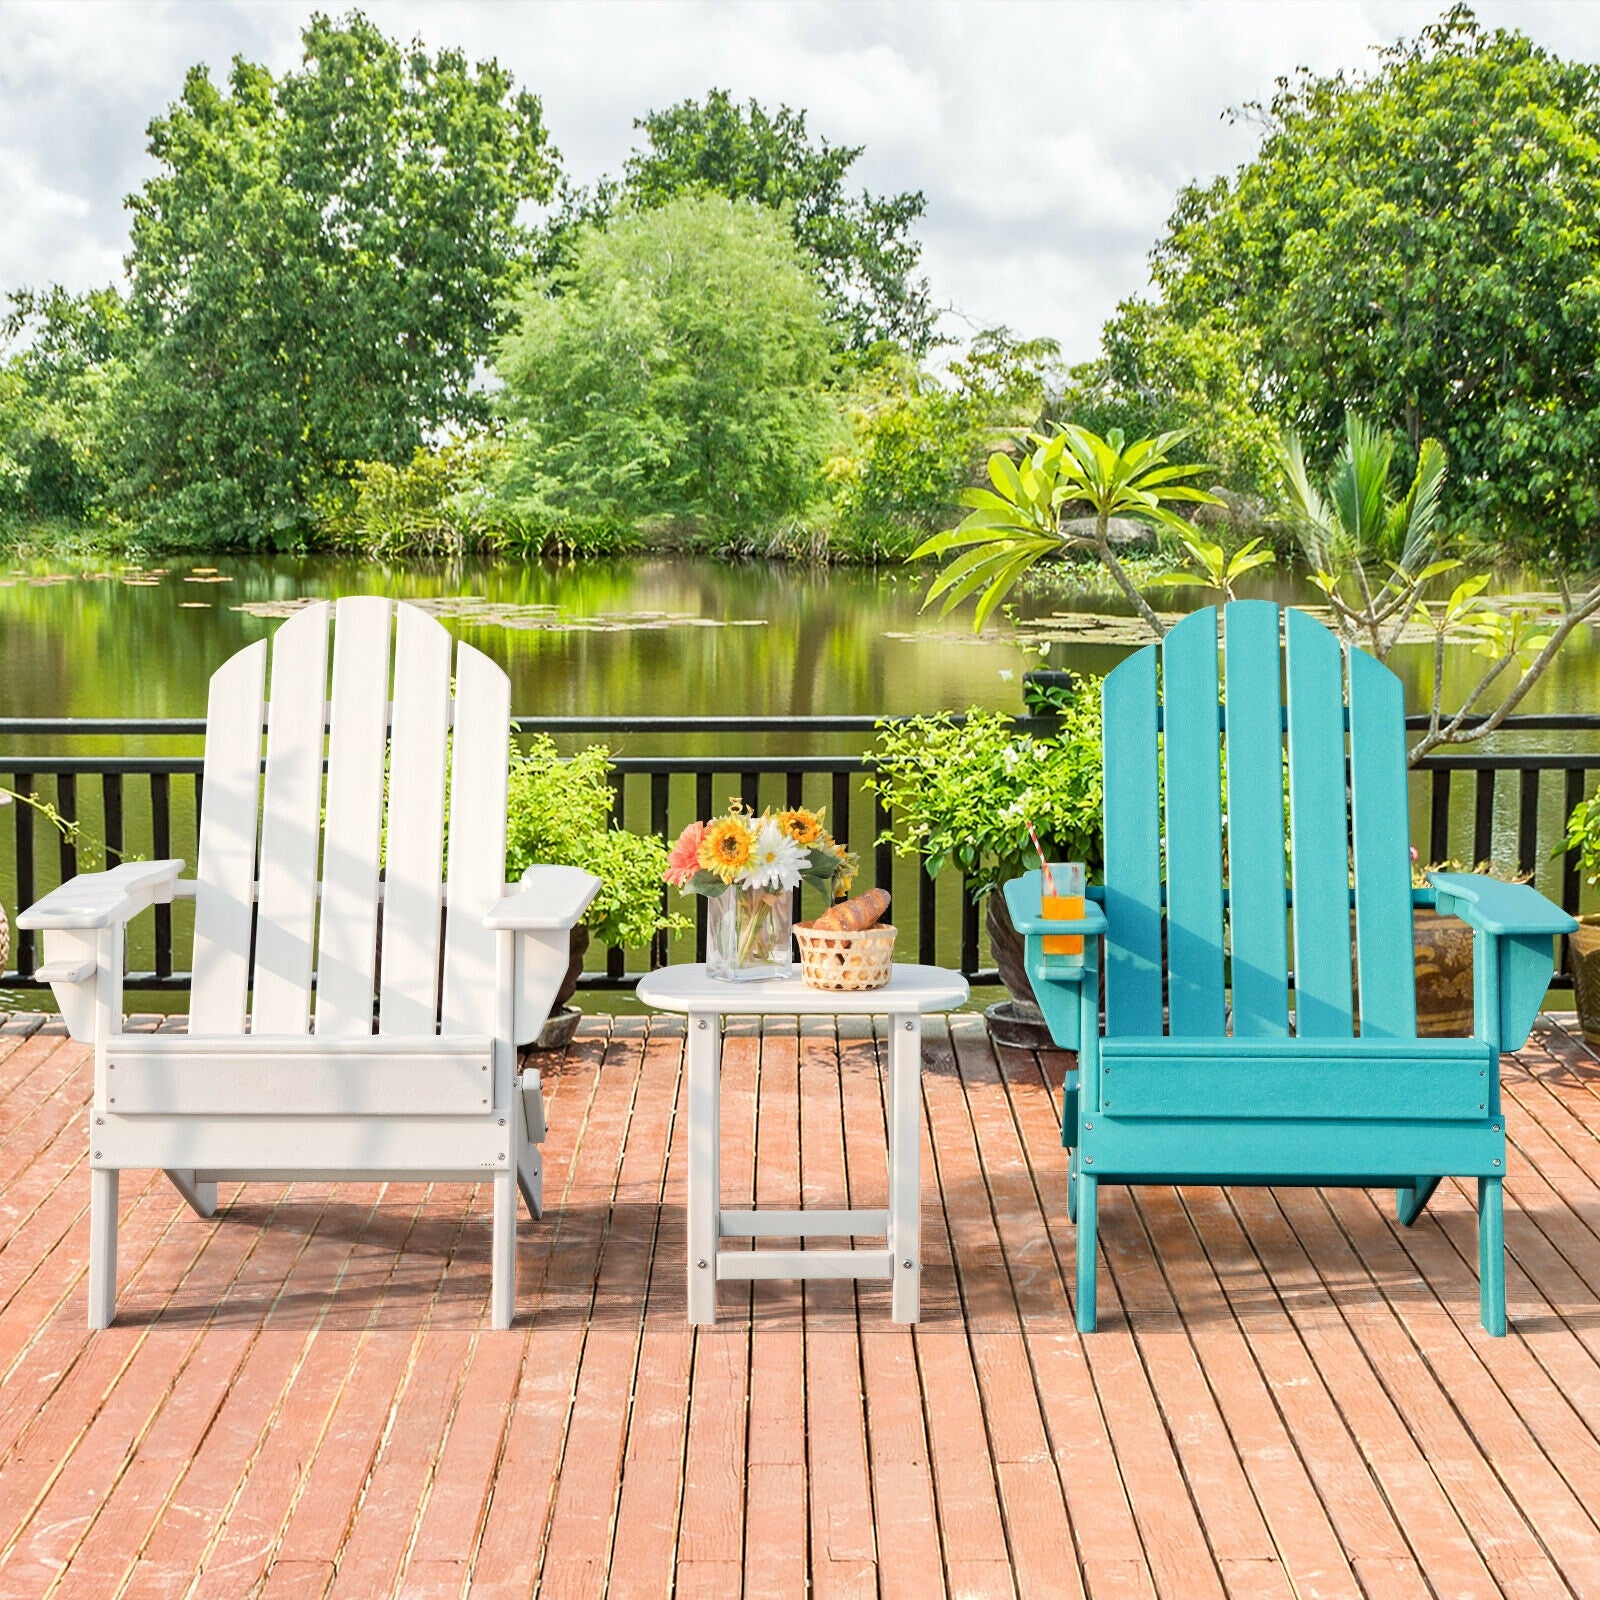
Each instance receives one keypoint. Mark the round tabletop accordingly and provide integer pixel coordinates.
(910, 989)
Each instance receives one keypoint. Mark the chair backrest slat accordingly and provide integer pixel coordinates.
(225, 871)
(477, 847)
(291, 825)
(1257, 921)
(1193, 753)
(1319, 829)
(419, 740)
(347, 933)
(1133, 848)
(1219, 877)
(1385, 942)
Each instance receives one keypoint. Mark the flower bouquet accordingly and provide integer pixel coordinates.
(748, 868)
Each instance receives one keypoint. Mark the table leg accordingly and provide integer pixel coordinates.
(705, 1187)
(905, 1164)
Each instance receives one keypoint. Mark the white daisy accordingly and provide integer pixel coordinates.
(776, 861)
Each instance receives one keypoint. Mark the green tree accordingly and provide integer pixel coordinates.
(860, 246)
(1423, 243)
(676, 370)
(61, 401)
(1157, 374)
(917, 443)
(316, 273)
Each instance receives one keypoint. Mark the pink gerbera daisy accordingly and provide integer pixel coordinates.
(684, 861)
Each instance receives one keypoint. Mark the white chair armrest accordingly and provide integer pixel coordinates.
(103, 899)
(547, 898)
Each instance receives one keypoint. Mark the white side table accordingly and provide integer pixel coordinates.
(706, 1001)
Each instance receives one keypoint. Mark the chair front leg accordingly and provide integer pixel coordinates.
(1491, 1257)
(102, 1246)
(1088, 1205)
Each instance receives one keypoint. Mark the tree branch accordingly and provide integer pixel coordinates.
(1119, 575)
(1574, 612)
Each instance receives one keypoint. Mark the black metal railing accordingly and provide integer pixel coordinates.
(1506, 806)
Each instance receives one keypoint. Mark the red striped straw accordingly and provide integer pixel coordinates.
(1044, 866)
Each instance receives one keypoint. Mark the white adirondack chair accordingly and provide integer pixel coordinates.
(396, 1067)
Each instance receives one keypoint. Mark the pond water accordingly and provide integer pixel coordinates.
(657, 637)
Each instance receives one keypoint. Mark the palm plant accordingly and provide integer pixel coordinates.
(1374, 555)
(1027, 515)
(1352, 524)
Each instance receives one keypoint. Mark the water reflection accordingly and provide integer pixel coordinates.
(651, 637)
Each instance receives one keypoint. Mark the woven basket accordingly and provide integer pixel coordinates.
(833, 959)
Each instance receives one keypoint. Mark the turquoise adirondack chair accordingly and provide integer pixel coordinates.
(1314, 1074)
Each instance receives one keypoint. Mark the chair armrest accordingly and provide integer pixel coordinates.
(1492, 906)
(1025, 901)
(103, 899)
(547, 898)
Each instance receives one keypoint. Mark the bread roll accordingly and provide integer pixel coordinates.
(851, 916)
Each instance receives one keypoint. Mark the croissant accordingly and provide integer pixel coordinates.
(851, 916)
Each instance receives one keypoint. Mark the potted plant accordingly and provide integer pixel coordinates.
(1583, 945)
(558, 813)
(962, 792)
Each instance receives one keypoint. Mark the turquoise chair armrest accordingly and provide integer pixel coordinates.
(1025, 901)
(1515, 928)
(1067, 988)
(1495, 907)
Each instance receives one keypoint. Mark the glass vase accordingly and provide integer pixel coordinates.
(748, 935)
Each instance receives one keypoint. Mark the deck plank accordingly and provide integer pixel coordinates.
(1289, 1393)
(775, 1551)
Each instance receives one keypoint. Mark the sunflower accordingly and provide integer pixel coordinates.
(725, 850)
(804, 827)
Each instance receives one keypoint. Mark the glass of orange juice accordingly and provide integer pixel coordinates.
(1065, 905)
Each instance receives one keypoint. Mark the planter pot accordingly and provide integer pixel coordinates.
(1017, 1021)
(1007, 945)
(1583, 956)
(558, 1031)
(564, 1016)
(1444, 976)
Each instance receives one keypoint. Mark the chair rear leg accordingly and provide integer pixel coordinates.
(1087, 1206)
(1491, 1257)
(102, 1246)
(1072, 1184)
(530, 1181)
(530, 1166)
(202, 1197)
(1410, 1198)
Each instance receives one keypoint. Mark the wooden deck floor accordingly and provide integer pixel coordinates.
(1290, 1395)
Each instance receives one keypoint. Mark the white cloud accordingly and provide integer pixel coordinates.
(1049, 139)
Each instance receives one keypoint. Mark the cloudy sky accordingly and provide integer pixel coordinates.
(1049, 139)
